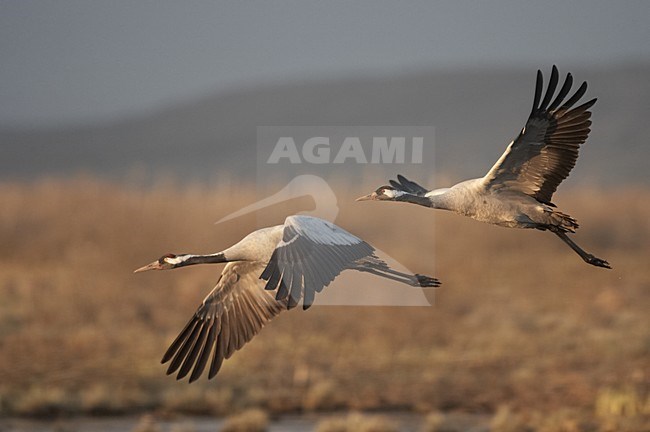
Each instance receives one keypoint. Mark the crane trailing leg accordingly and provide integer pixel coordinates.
(377, 267)
(587, 257)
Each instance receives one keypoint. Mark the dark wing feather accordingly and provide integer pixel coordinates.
(311, 254)
(235, 311)
(546, 150)
(405, 185)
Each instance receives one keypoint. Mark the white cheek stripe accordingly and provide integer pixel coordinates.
(393, 193)
(176, 260)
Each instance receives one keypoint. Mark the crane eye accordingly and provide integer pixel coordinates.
(165, 257)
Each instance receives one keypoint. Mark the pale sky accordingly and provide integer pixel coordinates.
(71, 62)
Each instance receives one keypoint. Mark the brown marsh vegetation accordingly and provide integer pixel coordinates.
(522, 329)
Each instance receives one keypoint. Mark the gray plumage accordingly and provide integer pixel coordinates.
(268, 271)
(517, 191)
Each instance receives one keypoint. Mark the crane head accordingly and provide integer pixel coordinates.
(165, 262)
(383, 193)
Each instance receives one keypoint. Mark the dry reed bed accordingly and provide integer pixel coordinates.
(520, 321)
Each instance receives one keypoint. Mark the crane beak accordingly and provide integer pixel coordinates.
(368, 197)
(153, 266)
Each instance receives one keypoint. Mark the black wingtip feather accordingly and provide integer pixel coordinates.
(552, 85)
(282, 292)
(566, 87)
(217, 361)
(274, 276)
(585, 106)
(578, 94)
(178, 341)
(205, 354)
(292, 302)
(197, 347)
(408, 186)
(185, 347)
(539, 83)
(308, 299)
(268, 271)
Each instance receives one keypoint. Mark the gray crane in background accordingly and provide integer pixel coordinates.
(517, 191)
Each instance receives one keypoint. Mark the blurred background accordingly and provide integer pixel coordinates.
(127, 129)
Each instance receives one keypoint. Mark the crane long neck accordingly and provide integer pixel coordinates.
(187, 260)
(438, 200)
(441, 201)
(414, 199)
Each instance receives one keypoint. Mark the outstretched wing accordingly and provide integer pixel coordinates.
(235, 311)
(310, 255)
(405, 185)
(545, 151)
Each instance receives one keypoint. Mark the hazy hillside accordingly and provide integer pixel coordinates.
(475, 114)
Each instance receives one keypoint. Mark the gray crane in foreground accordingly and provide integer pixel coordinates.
(517, 191)
(296, 260)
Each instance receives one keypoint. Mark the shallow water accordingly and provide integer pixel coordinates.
(129, 423)
(407, 422)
